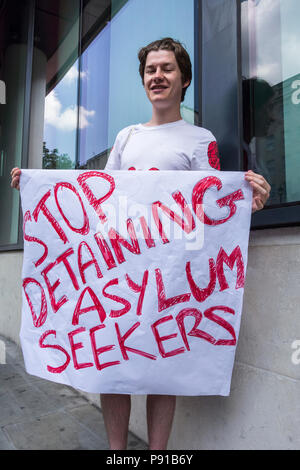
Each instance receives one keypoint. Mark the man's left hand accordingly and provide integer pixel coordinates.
(261, 190)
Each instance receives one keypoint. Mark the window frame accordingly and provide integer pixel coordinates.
(231, 148)
(273, 216)
(283, 215)
(26, 121)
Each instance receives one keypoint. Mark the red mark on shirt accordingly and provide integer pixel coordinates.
(213, 155)
(133, 168)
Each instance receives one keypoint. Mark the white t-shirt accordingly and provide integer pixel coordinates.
(173, 146)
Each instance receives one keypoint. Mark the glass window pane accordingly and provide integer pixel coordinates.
(60, 122)
(13, 53)
(55, 85)
(271, 87)
(290, 44)
(94, 102)
(112, 95)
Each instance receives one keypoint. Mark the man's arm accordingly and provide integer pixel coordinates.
(206, 154)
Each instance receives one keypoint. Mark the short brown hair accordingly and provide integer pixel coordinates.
(182, 58)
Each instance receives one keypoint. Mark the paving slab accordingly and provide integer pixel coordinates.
(56, 431)
(5, 443)
(36, 414)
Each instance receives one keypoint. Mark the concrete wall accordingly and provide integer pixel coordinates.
(10, 294)
(263, 410)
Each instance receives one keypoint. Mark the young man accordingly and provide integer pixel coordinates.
(166, 142)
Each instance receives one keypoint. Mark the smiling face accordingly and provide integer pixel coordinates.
(163, 79)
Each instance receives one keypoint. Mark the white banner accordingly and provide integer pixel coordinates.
(133, 283)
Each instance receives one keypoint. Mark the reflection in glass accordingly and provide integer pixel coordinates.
(271, 91)
(89, 86)
(55, 84)
(94, 85)
(13, 53)
(60, 123)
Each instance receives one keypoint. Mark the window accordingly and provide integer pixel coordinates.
(92, 85)
(14, 27)
(69, 82)
(111, 91)
(271, 102)
(55, 83)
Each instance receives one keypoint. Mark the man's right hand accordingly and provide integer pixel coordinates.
(15, 178)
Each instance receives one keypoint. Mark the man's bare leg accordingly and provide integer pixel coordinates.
(160, 414)
(116, 413)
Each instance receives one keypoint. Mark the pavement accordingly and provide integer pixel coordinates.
(36, 414)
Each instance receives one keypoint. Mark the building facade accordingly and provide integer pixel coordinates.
(69, 82)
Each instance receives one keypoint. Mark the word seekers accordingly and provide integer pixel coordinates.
(91, 301)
